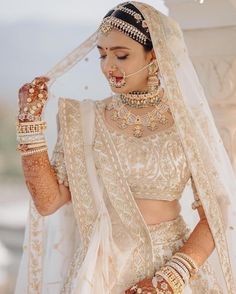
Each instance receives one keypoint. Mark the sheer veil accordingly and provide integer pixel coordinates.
(209, 163)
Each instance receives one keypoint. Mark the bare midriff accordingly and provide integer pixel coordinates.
(157, 211)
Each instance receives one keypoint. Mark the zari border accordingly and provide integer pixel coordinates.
(187, 135)
(84, 207)
(35, 266)
(121, 196)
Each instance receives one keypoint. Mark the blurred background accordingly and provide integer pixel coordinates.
(34, 35)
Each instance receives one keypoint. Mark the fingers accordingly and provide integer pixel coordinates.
(32, 98)
(40, 80)
(36, 82)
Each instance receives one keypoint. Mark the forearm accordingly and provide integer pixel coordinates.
(42, 183)
(200, 244)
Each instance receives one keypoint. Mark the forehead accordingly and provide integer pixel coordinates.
(116, 38)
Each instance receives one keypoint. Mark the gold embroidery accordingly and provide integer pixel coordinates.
(58, 161)
(155, 166)
(201, 167)
(35, 251)
(84, 207)
(154, 245)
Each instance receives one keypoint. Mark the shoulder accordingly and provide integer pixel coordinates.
(104, 102)
(64, 102)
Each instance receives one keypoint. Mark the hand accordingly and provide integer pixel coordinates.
(147, 287)
(32, 98)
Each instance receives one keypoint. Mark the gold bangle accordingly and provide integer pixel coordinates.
(176, 289)
(190, 261)
(188, 258)
(34, 151)
(28, 139)
(188, 266)
(32, 142)
(30, 127)
(180, 268)
(36, 145)
(173, 278)
(27, 147)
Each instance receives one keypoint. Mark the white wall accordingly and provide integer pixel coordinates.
(210, 34)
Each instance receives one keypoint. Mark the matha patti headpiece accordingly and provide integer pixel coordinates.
(127, 19)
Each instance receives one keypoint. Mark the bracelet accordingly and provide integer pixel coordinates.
(159, 279)
(29, 138)
(33, 143)
(173, 278)
(196, 204)
(31, 123)
(31, 127)
(188, 258)
(189, 262)
(174, 275)
(34, 151)
(181, 263)
(184, 274)
(26, 147)
(28, 116)
(184, 262)
(168, 281)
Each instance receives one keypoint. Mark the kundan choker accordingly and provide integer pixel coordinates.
(142, 99)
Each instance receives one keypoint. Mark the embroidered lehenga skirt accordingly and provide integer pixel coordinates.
(167, 238)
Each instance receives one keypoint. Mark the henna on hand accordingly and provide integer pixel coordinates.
(147, 287)
(33, 96)
(42, 183)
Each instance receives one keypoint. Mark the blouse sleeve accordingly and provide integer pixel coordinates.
(57, 160)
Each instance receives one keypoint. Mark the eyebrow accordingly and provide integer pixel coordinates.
(114, 48)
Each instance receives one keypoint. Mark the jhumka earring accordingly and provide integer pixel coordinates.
(153, 80)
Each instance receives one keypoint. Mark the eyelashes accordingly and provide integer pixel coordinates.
(118, 57)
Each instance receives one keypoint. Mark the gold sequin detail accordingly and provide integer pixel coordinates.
(155, 166)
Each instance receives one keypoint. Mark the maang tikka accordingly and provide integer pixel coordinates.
(153, 82)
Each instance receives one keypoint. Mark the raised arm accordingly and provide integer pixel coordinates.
(41, 176)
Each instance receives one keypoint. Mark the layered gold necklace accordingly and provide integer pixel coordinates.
(150, 120)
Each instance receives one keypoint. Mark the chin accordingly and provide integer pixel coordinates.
(120, 90)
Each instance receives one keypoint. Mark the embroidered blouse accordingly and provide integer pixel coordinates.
(155, 166)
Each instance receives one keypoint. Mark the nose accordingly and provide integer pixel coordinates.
(108, 67)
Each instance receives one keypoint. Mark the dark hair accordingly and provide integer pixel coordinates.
(128, 13)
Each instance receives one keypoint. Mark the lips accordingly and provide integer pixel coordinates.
(116, 78)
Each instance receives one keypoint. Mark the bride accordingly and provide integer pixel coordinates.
(121, 165)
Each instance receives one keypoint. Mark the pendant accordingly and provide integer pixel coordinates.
(114, 115)
(153, 125)
(123, 124)
(138, 131)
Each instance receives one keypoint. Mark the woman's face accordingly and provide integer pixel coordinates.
(120, 53)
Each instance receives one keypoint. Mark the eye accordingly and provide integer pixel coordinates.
(122, 57)
(102, 57)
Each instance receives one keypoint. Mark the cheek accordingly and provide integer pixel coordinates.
(102, 66)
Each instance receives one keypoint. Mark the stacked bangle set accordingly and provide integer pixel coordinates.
(176, 273)
(30, 137)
